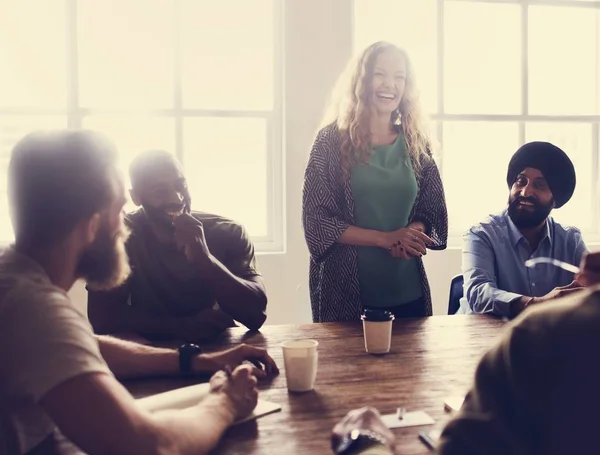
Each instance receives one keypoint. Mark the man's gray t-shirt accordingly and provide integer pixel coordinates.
(45, 340)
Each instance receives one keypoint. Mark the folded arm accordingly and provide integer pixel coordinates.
(243, 298)
(110, 313)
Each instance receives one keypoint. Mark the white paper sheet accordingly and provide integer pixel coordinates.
(454, 403)
(410, 419)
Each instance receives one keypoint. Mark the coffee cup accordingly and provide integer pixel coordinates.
(300, 359)
(377, 330)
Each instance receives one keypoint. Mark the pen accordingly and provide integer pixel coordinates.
(428, 440)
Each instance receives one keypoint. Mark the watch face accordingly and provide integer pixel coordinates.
(343, 446)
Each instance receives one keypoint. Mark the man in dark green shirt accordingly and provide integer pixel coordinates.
(194, 273)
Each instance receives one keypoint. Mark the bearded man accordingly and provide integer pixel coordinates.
(540, 178)
(66, 198)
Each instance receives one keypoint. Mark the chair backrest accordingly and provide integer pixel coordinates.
(456, 293)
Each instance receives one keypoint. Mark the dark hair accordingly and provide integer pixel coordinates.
(56, 179)
(148, 162)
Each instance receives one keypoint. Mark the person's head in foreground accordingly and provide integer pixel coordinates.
(66, 199)
(158, 184)
(65, 193)
(540, 177)
(534, 392)
(377, 87)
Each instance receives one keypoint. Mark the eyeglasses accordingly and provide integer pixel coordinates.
(563, 265)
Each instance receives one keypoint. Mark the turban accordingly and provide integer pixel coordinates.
(552, 162)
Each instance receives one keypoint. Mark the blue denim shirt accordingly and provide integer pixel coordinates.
(493, 263)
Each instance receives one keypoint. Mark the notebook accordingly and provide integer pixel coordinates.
(186, 397)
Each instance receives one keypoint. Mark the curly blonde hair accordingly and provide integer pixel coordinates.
(350, 110)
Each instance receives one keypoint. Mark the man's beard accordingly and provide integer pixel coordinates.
(525, 219)
(164, 215)
(105, 264)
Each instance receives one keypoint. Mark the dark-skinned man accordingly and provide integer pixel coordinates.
(194, 273)
(66, 198)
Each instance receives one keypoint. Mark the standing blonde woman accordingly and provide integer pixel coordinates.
(373, 201)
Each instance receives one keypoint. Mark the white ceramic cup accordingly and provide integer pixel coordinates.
(377, 332)
(300, 360)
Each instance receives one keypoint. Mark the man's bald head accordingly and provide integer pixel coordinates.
(147, 165)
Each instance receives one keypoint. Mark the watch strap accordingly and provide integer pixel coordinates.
(359, 441)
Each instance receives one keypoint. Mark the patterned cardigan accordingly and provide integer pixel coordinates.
(328, 210)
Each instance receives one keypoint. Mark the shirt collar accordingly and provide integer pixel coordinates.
(516, 236)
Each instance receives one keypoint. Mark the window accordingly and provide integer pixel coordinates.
(494, 75)
(199, 78)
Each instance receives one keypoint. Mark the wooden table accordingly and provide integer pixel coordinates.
(430, 359)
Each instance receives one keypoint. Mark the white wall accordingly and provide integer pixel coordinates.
(318, 41)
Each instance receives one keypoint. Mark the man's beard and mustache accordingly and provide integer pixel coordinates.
(165, 214)
(105, 264)
(526, 219)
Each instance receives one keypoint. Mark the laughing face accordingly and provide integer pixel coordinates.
(388, 81)
(530, 201)
(164, 193)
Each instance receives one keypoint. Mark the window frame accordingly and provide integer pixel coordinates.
(439, 117)
(274, 241)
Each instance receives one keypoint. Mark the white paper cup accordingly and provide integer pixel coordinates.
(300, 359)
(378, 336)
(377, 331)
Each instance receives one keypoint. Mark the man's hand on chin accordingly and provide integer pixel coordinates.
(189, 237)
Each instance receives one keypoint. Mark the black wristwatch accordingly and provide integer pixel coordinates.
(186, 352)
(358, 440)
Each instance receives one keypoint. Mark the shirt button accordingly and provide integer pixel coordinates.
(533, 284)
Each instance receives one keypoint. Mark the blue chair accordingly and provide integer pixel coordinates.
(456, 293)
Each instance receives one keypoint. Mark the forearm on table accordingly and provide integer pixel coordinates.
(244, 300)
(486, 298)
(128, 360)
(196, 430)
(361, 237)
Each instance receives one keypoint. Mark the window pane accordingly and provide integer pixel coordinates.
(12, 129)
(435, 141)
(126, 53)
(482, 58)
(562, 60)
(476, 156)
(410, 24)
(33, 54)
(226, 165)
(227, 54)
(133, 135)
(576, 140)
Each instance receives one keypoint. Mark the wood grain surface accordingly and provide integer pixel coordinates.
(431, 359)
